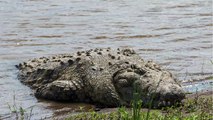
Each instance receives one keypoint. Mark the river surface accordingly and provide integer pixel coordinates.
(175, 33)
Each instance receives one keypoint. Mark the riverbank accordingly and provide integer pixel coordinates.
(197, 106)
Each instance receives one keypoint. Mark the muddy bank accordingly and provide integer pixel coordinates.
(67, 113)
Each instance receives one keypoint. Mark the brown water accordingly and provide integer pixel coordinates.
(175, 33)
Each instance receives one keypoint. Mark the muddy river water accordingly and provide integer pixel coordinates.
(175, 33)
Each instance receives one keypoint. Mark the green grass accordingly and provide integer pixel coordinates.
(198, 108)
(18, 112)
(209, 78)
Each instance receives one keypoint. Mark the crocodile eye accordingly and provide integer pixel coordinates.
(133, 66)
(140, 71)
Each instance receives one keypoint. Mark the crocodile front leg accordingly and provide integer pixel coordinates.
(61, 90)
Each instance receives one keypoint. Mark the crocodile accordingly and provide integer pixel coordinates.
(102, 76)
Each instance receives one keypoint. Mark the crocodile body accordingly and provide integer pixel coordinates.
(106, 77)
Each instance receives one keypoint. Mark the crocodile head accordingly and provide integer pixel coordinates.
(154, 85)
